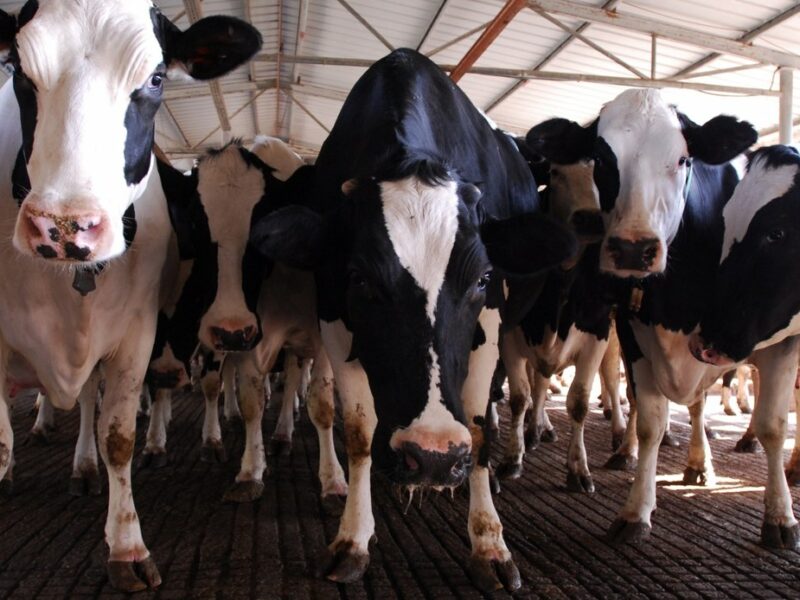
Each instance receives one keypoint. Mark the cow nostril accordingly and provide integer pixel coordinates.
(650, 253)
(411, 463)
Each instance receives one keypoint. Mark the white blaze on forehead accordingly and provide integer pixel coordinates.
(759, 187)
(278, 155)
(422, 222)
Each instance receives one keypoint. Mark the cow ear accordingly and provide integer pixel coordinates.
(8, 31)
(180, 191)
(294, 235)
(561, 140)
(718, 140)
(210, 48)
(527, 244)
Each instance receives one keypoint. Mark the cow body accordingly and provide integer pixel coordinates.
(78, 188)
(418, 197)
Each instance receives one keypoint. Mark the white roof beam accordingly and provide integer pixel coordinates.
(668, 31)
(366, 24)
(431, 25)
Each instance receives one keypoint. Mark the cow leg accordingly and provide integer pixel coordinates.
(346, 559)
(130, 567)
(633, 522)
(519, 402)
(85, 478)
(627, 455)
(778, 367)
(491, 565)
(154, 454)
(6, 432)
(249, 483)
(212, 449)
(725, 394)
(547, 433)
(280, 444)
(748, 442)
(45, 422)
(609, 380)
(742, 397)
(699, 470)
(321, 410)
(793, 466)
(579, 479)
(305, 381)
(668, 440)
(536, 430)
(231, 405)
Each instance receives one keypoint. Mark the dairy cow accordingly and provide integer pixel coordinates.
(418, 199)
(83, 208)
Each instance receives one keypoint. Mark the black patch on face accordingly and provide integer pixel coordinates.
(46, 251)
(479, 338)
(76, 252)
(140, 127)
(606, 174)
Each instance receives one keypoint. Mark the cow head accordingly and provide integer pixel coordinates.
(652, 147)
(583, 180)
(212, 211)
(88, 77)
(404, 261)
(755, 301)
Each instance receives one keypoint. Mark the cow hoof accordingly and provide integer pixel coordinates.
(780, 537)
(792, 476)
(296, 415)
(344, 564)
(607, 414)
(616, 441)
(627, 532)
(669, 441)
(509, 470)
(532, 440)
(133, 577)
(153, 459)
(279, 447)
(745, 409)
(6, 488)
(39, 437)
(711, 434)
(549, 436)
(492, 575)
(87, 484)
(333, 504)
(728, 410)
(494, 483)
(244, 491)
(748, 445)
(580, 483)
(693, 476)
(621, 462)
(213, 452)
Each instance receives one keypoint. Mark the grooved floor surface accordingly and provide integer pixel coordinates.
(704, 541)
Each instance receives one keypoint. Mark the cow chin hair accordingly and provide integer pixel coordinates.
(405, 493)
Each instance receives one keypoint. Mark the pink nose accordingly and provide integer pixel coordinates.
(234, 339)
(66, 237)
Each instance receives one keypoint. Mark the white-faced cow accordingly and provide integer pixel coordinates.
(419, 198)
(236, 303)
(667, 219)
(755, 308)
(78, 188)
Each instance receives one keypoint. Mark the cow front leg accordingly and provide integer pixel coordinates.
(491, 565)
(609, 383)
(45, 422)
(85, 479)
(249, 484)
(579, 478)
(633, 522)
(130, 566)
(537, 430)
(280, 444)
(793, 466)
(154, 454)
(742, 397)
(626, 457)
(6, 432)
(230, 407)
(519, 402)
(778, 367)
(699, 470)
(212, 449)
(321, 410)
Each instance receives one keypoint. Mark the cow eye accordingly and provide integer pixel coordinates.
(484, 280)
(776, 235)
(357, 280)
(684, 160)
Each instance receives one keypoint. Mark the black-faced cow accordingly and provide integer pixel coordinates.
(755, 308)
(77, 188)
(419, 198)
(238, 304)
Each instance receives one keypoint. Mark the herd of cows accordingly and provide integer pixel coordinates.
(414, 265)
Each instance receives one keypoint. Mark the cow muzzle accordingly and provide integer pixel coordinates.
(77, 237)
(420, 467)
(231, 336)
(705, 352)
(636, 257)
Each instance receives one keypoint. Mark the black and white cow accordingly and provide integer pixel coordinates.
(755, 308)
(236, 303)
(419, 198)
(77, 188)
(667, 220)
